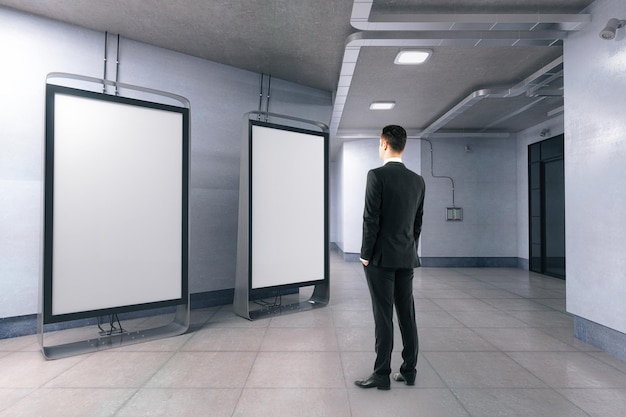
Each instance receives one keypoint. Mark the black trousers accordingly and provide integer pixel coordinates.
(389, 287)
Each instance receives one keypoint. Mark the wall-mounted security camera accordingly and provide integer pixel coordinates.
(544, 133)
(611, 27)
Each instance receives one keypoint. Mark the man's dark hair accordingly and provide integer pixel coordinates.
(395, 136)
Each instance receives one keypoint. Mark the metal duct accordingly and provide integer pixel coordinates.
(450, 30)
(529, 86)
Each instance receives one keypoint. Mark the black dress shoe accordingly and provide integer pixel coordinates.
(404, 378)
(374, 381)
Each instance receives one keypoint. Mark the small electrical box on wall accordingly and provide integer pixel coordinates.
(454, 214)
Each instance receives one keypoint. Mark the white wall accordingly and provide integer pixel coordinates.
(485, 180)
(595, 170)
(354, 161)
(358, 158)
(486, 187)
(32, 47)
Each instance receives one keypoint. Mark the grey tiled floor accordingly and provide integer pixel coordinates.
(493, 342)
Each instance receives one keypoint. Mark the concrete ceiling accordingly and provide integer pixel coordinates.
(495, 68)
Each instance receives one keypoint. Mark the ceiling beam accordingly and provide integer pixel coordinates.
(432, 30)
(363, 18)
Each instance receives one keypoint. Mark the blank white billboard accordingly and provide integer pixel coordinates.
(288, 206)
(116, 210)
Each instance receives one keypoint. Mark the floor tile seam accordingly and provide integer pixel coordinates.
(601, 359)
(544, 383)
(582, 388)
(593, 358)
(538, 351)
(514, 291)
(514, 297)
(286, 351)
(249, 373)
(327, 328)
(275, 388)
(471, 329)
(509, 286)
(571, 348)
(530, 300)
(128, 400)
(230, 326)
(449, 309)
(30, 392)
(313, 386)
(300, 327)
(188, 388)
(460, 325)
(205, 321)
(445, 383)
(518, 327)
(83, 359)
(494, 350)
(431, 297)
(141, 385)
(486, 311)
(477, 279)
(592, 389)
(440, 302)
(490, 286)
(544, 329)
(508, 354)
(588, 353)
(219, 351)
(342, 364)
(16, 348)
(551, 309)
(35, 391)
(547, 389)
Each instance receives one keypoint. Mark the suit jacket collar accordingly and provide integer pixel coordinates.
(392, 160)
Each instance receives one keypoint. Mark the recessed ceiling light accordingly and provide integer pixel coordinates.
(382, 105)
(412, 57)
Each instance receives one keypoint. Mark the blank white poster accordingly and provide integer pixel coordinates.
(117, 205)
(288, 206)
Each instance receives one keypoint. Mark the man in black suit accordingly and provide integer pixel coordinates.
(392, 222)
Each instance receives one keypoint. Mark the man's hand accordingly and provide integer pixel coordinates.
(365, 262)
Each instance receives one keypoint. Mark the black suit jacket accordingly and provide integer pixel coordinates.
(392, 218)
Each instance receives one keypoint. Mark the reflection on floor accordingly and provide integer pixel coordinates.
(493, 342)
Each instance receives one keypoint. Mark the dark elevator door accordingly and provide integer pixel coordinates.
(547, 207)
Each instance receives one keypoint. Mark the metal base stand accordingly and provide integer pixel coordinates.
(64, 348)
(241, 304)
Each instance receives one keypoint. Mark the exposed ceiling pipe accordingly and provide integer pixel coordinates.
(514, 113)
(417, 39)
(532, 83)
(540, 30)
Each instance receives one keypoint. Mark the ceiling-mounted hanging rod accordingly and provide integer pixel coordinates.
(106, 38)
(267, 104)
(117, 66)
(260, 97)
